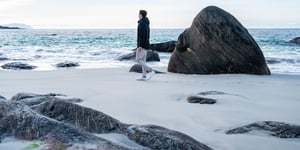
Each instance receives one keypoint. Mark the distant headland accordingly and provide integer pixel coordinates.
(15, 26)
(4, 27)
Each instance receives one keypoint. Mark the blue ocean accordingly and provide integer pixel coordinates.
(100, 48)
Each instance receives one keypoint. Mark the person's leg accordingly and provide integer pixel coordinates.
(144, 72)
(144, 66)
(141, 57)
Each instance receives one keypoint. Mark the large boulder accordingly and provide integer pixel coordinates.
(151, 56)
(167, 47)
(217, 43)
(18, 66)
(295, 40)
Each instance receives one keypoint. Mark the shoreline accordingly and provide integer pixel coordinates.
(124, 65)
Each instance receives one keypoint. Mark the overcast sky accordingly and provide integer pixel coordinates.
(99, 14)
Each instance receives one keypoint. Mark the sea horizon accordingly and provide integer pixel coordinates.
(250, 28)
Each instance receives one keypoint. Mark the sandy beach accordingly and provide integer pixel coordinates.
(162, 101)
(79, 75)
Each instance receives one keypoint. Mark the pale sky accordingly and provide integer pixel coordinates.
(85, 14)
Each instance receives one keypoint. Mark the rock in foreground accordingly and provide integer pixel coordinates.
(295, 40)
(78, 116)
(24, 123)
(18, 66)
(217, 43)
(277, 129)
(71, 123)
(156, 137)
(93, 121)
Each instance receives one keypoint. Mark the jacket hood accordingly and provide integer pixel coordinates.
(144, 20)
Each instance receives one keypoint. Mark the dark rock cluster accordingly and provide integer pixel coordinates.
(273, 128)
(41, 117)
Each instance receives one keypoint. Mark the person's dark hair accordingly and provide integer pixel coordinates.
(143, 13)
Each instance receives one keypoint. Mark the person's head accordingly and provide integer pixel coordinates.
(142, 14)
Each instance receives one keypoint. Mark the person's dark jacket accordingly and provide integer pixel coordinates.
(143, 33)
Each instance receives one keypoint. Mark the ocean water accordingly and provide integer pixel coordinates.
(100, 48)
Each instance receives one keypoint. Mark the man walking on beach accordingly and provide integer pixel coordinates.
(143, 35)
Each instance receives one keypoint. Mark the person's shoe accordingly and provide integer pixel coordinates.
(144, 78)
(150, 74)
(148, 77)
